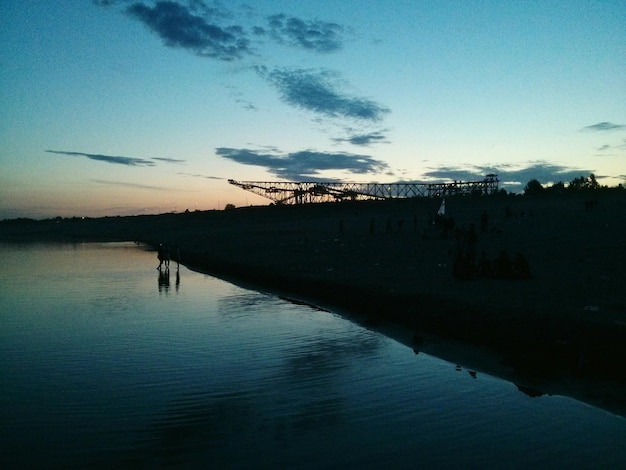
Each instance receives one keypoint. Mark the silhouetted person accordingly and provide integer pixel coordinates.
(177, 257)
(463, 268)
(470, 244)
(502, 268)
(160, 256)
(484, 222)
(521, 270)
(484, 266)
(590, 204)
(166, 256)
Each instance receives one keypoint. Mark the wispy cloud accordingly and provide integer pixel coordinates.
(119, 160)
(363, 140)
(319, 92)
(196, 175)
(607, 150)
(128, 185)
(305, 164)
(194, 28)
(168, 160)
(604, 126)
(106, 3)
(318, 36)
(128, 161)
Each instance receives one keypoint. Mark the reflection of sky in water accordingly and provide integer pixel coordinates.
(100, 365)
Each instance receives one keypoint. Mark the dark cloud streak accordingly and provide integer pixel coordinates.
(304, 164)
(318, 91)
(178, 26)
(128, 161)
(128, 185)
(363, 140)
(604, 126)
(318, 36)
(168, 160)
(195, 175)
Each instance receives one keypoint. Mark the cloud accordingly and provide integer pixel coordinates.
(202, 30)
(318, 91)
(193, 29)
(168, 160)
(106, 3)
(128, 185)
(195, 175)
(611, 150)
(363, 140)
(304, 165)
(604, 126)
(317, 36)
(128, 161)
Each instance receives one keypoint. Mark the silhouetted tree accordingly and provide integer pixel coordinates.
(533, 188)
(229, 207)
(557, 188)
(584, 184)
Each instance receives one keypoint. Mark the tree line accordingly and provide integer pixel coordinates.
(577, 185)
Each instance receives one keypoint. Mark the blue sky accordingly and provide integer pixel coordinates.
(132, 107)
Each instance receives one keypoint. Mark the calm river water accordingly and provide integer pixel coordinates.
(103, 364)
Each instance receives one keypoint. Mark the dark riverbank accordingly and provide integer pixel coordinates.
(386, 262)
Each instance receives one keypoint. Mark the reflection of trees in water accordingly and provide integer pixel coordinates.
(323, 354)
(196, 427)
(314, 371)
(245, 304)
(303, 395)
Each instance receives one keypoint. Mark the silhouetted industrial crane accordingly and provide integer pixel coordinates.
(303, 192)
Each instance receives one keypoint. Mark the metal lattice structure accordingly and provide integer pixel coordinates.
(304, 192)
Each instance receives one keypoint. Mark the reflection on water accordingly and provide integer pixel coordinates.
(101, 368)
(163, 279)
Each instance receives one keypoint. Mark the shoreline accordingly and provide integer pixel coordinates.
(387, 266)
(606, 394)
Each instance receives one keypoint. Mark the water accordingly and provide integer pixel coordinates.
(103, 365)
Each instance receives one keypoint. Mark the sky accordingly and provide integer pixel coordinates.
(124, 107)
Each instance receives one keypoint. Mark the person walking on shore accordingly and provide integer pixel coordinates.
(160, 256)
(163, 254)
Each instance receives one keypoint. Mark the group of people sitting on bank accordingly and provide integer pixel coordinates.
(502, 267)
(466, 264)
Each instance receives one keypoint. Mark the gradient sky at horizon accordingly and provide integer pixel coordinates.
(118, 107)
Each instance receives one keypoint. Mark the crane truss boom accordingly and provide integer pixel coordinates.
(292, 192)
